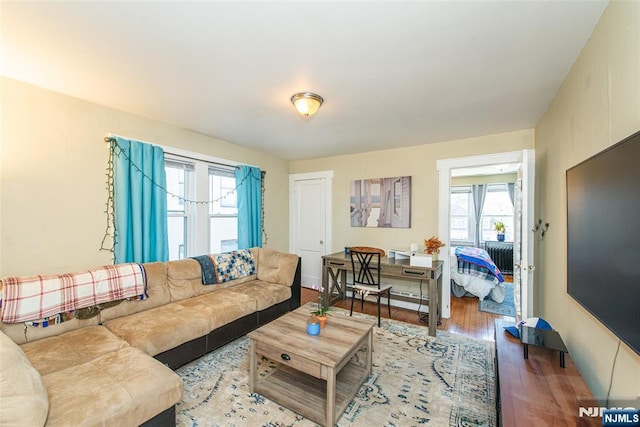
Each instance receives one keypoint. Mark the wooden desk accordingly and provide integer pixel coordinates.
(334, 279)
(537, 391)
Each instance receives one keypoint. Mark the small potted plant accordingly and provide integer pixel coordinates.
(321, 310)
(500, 229)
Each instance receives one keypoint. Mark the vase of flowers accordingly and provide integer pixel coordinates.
(321, 310)
(432, 246)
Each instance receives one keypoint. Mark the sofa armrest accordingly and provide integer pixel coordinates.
(276, 267)
(296, 287)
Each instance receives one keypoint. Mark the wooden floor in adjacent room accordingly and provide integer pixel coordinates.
(466, 318)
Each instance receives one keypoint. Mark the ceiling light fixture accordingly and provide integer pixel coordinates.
(307, 103)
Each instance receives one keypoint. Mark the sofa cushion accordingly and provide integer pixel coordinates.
(160, 329)
(277, 267)
(122, 388)
(21, 333)
(157, 289)
(73, 348)
(23, 396)
(221, 306)
(266, 294)
(185, 279)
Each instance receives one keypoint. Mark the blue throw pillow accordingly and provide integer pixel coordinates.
(513, 330)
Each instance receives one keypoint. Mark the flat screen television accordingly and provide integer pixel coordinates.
(603, 237)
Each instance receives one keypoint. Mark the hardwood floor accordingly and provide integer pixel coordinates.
(465, 318)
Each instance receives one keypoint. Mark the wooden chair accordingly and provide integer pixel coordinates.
(365, 264)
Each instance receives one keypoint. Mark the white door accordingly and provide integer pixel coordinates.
(309, 219)
(523, 241)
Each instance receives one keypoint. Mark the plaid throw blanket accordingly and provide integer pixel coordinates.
(465, 267)
(480, 259)
(32, 298)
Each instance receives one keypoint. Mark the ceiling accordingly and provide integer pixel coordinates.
(392, 73)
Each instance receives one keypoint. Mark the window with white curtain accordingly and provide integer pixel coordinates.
(202, 207)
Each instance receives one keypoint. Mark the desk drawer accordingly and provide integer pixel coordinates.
(296, 362)
(344, 265)
(418, 273)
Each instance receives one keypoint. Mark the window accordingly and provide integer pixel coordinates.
(497, 207)
(200, 228)
(223, 210)
(180, 184)
(462, 214)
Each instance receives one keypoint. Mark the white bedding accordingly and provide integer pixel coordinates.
(474, 284)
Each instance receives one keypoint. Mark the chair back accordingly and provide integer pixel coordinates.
(365, 267)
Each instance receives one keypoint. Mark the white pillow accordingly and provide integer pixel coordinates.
(23, 397)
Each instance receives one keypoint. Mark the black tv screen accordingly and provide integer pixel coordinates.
(603, 238)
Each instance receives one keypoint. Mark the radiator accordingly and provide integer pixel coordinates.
(502, 255)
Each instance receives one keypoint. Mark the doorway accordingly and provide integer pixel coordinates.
(523, 222)
(310, 222)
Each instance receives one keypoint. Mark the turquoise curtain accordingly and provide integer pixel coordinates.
(249, 188)
(140, 202)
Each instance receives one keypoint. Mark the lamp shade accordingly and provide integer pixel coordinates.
(307, 103)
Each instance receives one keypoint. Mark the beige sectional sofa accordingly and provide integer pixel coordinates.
(117, 368)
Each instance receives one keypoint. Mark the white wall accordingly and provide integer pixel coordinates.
(597, 105)
(52, 181)
(418, 162)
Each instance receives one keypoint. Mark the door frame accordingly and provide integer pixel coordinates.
(328, 177)
(527, 169)
(444, 167)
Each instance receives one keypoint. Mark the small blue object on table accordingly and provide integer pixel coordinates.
(313, 327)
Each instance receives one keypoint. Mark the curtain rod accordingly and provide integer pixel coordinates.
(168, 150)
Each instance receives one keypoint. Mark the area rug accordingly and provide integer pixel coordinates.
(416, 380)
(505, 308)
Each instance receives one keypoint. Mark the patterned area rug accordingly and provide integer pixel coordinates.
(416, 380)
(505, 308)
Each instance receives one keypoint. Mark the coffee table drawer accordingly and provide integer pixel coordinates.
(299, 363)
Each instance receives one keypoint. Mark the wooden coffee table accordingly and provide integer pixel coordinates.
(317, 376)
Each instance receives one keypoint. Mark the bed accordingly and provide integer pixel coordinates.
(474, 272)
